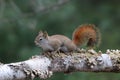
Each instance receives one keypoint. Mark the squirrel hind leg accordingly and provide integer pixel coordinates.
(63, 49)
(66, 51)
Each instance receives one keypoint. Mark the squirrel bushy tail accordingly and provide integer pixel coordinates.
(87, 33)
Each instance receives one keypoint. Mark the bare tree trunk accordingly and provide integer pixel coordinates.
(44, 65)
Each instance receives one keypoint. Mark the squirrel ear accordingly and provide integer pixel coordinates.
(40, 32)
(45, 34)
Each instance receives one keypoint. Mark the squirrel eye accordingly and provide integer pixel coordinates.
(40, 39)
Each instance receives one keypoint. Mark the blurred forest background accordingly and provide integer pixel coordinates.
(21, 20)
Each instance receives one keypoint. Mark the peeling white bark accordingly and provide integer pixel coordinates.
(43, 66)
(29, 69)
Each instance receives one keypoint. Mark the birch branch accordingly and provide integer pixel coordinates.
(44, 66)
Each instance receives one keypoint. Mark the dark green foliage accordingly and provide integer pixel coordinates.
(21, 20)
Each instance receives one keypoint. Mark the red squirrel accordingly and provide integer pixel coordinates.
(86, 33)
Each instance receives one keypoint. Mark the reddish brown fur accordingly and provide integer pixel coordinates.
(86, 33)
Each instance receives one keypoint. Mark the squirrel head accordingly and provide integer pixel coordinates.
(41, 39)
